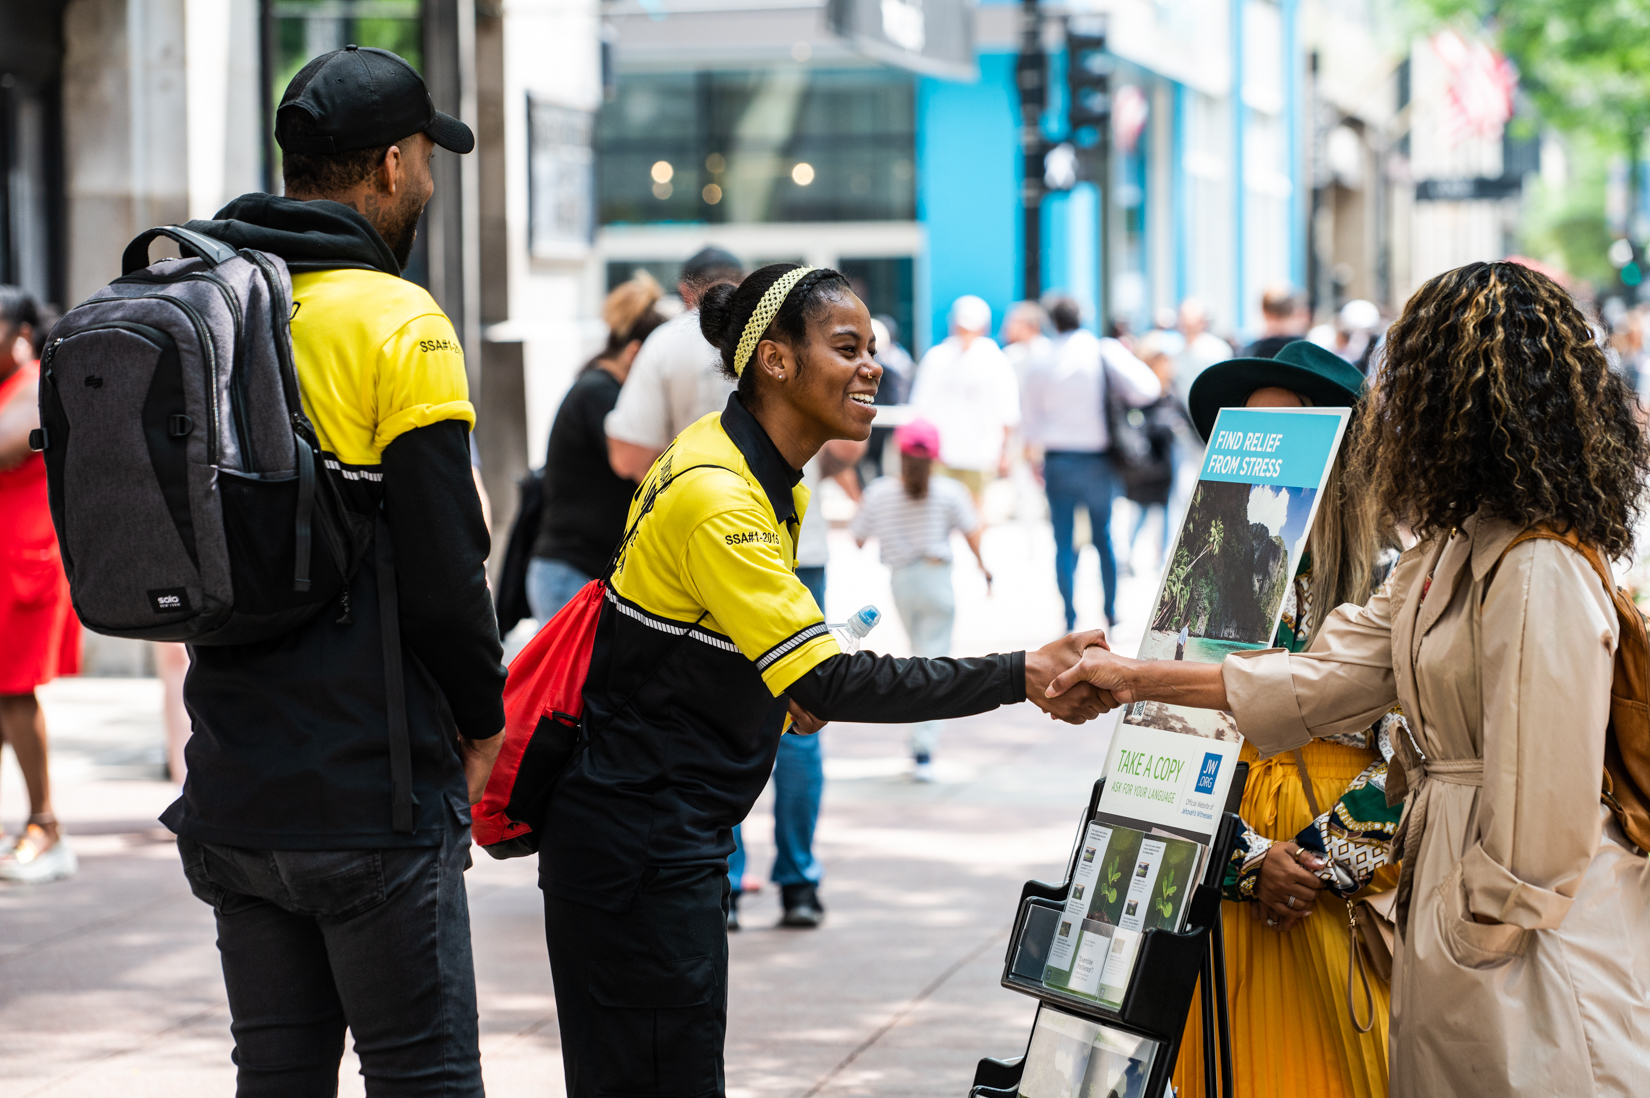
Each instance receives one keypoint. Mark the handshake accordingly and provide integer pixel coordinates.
(1058, 677)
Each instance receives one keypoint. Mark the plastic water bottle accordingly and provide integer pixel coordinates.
(849, 633)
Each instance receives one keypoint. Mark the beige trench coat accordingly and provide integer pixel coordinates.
(1506, 685)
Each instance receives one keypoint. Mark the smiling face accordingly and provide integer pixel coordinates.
(831, 380)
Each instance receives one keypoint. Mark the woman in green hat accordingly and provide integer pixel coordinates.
(1286, 972)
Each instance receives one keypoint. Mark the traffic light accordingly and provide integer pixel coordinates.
(1088, 85)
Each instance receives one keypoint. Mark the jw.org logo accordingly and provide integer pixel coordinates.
(1211, 770)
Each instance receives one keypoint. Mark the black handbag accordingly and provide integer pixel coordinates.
(510, 598)
(1142, 447)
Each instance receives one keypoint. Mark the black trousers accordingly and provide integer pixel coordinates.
(313, 941)
(642, 997)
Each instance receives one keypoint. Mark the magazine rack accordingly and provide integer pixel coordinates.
(1167, 972)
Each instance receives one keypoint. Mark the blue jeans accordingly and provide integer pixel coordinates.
(798, 784)
(314, 941)
(1073, 477)
(551, 585)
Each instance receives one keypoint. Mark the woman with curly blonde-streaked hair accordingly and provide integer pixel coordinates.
(1523, 966)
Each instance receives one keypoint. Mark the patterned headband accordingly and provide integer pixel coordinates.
(766, 310)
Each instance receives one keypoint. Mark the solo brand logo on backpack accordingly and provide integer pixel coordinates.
(1626, 782)
(184, 479)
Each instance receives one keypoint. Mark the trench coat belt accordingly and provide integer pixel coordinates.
(1406, 842)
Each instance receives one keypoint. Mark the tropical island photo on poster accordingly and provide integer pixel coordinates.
(1239, 546)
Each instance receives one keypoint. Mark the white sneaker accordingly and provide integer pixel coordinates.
(26, 863)
(923, 773)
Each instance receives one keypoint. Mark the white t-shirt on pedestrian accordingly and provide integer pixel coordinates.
(908, 530)
(675, 380)
(1066, 391)
(972, 396)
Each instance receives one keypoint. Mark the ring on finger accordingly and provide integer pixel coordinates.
(1271, 921)
(1289, 901)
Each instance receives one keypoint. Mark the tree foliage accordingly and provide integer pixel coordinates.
(1585, 64)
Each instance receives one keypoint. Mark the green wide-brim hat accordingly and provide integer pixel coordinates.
(1323, 377)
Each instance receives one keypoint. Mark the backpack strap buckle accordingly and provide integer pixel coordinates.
(179, 426)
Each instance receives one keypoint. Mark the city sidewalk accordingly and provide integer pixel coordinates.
(109, 983)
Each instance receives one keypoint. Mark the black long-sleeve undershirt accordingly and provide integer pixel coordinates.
(869, 688)
(441, 543)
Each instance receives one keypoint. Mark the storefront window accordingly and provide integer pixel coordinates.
(780, 145)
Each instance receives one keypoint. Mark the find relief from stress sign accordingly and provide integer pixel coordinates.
(1240, 545)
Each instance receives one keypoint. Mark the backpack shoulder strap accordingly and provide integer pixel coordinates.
(1573, 540)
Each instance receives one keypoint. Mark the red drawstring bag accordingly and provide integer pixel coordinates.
(543, 701)
(544, 707)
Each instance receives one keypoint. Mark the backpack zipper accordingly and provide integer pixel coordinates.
(204, 334)
(237, 378)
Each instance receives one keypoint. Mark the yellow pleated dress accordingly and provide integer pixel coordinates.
(1292, 1036)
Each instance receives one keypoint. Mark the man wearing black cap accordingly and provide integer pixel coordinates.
(334, 909)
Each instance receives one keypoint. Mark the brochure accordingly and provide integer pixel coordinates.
(1168, 779)
(1071, 1058)
(1239, 545)
(1127, 882)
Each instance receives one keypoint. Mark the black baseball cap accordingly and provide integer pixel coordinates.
(360, 98)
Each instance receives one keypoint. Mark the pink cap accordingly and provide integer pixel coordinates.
(919, 438)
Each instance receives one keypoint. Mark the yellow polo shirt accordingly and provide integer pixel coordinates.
(717, 546)
(376, 358)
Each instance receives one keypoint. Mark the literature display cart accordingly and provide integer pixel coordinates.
(1114, 952)
(1113, 1005)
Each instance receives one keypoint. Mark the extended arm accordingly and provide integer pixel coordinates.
(1199, 685)
(871, 688)
(629, 460)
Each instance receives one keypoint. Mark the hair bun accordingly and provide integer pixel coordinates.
(716, 314)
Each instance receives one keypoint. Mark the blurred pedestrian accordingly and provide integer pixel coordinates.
(1066, 398)
(674, 379)
(1148, 473)
(328, 837)
(898, 372)
(967, 389)
(1283, 318)
(42, 635)
(585, 501)
(1202, 349)
(1025, 335)
(912, 517)
(1358, 332)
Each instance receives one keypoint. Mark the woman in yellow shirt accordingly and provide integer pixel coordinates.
(707, 648)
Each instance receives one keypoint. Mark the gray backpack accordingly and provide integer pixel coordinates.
(185, 482)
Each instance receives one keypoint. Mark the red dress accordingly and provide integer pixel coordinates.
(39, 634)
